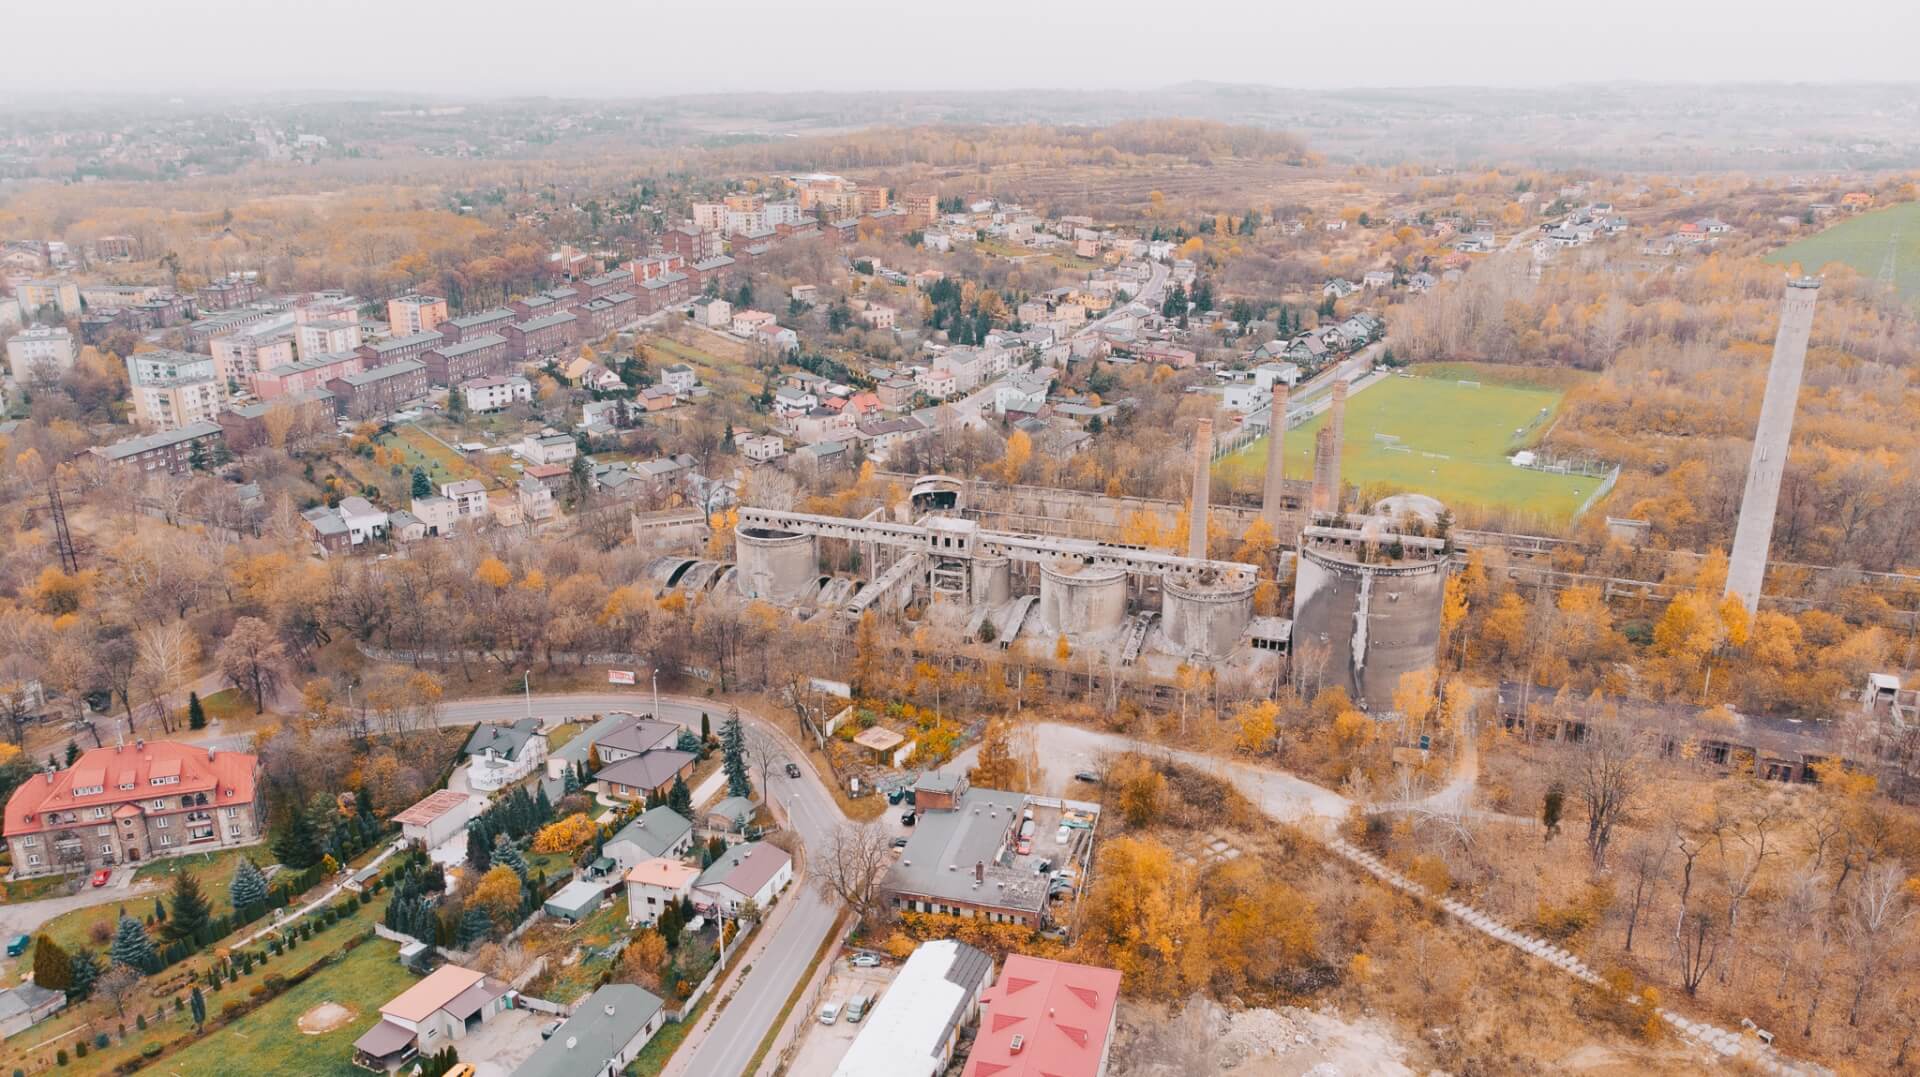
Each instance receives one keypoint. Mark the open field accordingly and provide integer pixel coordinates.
(726, 370)
(1455, 439)
(269, 1040)
(443, 465)
(1861, 242)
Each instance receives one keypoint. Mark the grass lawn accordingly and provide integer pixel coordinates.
(728, 376)
(1456, 440)
(102, 1018)
(442, 464)
(659, 1050)
(213, 869)
(226, 705)
(1861, 242)
(269, 1040)
(563, 733)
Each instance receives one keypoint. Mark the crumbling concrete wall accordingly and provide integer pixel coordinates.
(1373, 622)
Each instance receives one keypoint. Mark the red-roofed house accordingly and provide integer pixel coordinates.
(134, 802)
(1048, 1018)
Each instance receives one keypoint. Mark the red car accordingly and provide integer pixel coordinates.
(100, 877)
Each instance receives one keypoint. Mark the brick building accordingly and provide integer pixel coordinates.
(496, 320)
(547, 335)
(475, 357)
(170, 451)
(395, 349)
(378, 392)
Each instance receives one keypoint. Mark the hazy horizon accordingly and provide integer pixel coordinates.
(610, 49)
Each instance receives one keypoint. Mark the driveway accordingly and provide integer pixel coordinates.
(26, 917)
(500, 1045)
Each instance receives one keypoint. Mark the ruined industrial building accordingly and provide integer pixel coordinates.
(1366, 606)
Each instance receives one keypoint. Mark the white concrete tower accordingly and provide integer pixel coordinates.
(1747, 567)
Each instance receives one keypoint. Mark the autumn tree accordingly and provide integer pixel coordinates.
(565, 836)
(996, 768)
(252, 657)
(1143, 917)
(642, 960)
(498, 893)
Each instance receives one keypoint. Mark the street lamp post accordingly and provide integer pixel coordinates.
(526, 687)
(656, 694)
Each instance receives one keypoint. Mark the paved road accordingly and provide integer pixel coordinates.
(26, 917)
(1065, 750)
(726, 1045)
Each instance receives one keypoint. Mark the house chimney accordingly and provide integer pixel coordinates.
(140, 744)
(979, 870)
(1202, 488)
(209, 753)
(1273, 490)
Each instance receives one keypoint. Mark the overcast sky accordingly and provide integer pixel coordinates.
(649, 47)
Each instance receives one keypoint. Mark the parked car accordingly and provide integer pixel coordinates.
(18, 945)
(793, 770)
(856, 1009)
(899, 843)
(860, 961)
(906, 817)
(1087, 776)
(547, 1030)
(894, 796)
(830, 1013)
(100, 877)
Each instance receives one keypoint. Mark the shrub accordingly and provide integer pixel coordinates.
(100, 1040)
(152, 1050)
(60, 1056)
(80, 1049)
(256, 990)
(229, 1009)
(140, 1021)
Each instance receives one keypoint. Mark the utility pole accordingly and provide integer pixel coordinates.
(526, 687)
(656, 694)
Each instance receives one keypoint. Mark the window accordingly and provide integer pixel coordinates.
(105, 831)
(233, 830)
(89, 790)
(100, 812)
(106, 850)
(166, 839)
(158, 804)
(160, 823)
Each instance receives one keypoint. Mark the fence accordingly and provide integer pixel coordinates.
(712, 977)
(1599, 492)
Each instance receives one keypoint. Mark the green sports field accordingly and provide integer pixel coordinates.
(1861, 242)
(1455, 439)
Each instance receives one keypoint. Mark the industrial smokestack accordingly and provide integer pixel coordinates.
(1747, 568)
(1337, 423)
(1323, 481)
(1202, 488)
(1274, 488)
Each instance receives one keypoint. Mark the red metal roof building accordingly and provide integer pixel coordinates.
(1045, 1019)
(133, 802)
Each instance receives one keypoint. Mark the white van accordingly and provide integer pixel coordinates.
(830, 1013)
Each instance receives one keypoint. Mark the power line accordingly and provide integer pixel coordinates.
(62, 537)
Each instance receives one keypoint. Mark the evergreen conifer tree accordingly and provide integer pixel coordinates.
(190, 916)
(733, 753)
(680, 798)
(297, 847)
(506, 852)
(86, 969)
(475, 926)
(248, 890)
(73, 752)
(132, 948)
(198, 1003)
(196, 713)
(479, 846)
(52, 966)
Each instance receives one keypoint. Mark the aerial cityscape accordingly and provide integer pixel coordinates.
(958, 570)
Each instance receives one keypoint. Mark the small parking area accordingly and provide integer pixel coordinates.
(498, 1047)
(823, 1046)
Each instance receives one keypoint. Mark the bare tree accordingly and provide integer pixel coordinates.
(1646, 863)
(1696, 943)
(117, 985)
(1606, 773)
(853, 868)
(763, 753)
(1875, 911)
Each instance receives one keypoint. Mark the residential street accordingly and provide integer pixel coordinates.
(27, 916)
